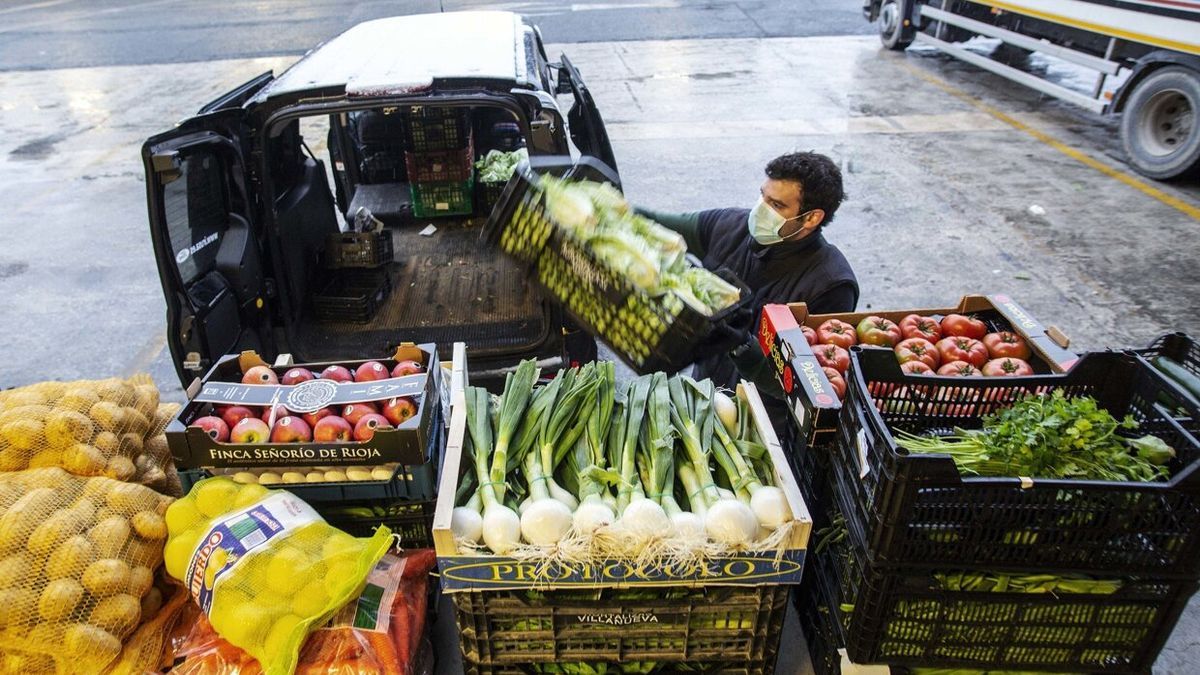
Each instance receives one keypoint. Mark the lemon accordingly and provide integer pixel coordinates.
(311, 600)
(250, 493)
(242, 624)
(215, 496)
(338, 543)
(177, 554)
(285, 636)
(288, 570)
(343, 572)
(216, 562)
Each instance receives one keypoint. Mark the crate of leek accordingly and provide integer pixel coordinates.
(584, 519)
(625, 278)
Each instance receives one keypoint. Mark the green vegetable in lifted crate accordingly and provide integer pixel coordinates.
(651, 256)
(497, 166)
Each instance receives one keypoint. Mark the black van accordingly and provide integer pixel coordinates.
(249, 198)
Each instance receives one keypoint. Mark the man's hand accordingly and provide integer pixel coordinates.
(732, 331)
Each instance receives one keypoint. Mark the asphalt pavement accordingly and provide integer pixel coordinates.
(959, 182)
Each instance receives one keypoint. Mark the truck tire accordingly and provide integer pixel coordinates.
(1161, 125)
(892, 31)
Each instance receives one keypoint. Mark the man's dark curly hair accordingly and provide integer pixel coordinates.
(819, 178)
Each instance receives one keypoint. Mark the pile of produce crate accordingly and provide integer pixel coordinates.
(618, 538)
(359, 440)
(1041, 520)
(439, 161)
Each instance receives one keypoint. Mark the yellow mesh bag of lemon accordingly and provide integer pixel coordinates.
(264, 566)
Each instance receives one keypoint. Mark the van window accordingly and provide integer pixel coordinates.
(195, 225)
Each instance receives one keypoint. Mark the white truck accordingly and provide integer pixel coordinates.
(1145, 54)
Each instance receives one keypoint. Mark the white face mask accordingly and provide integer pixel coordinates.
(765, 223)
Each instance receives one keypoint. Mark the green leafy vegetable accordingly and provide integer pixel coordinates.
(498, 167)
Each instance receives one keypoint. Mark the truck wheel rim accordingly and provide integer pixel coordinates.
(889, 18)
(1167, 123)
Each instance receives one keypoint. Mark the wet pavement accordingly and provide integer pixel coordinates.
(958, 183)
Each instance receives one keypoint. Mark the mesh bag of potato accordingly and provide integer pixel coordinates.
(110, 428)
(264, 566)
(77, 561)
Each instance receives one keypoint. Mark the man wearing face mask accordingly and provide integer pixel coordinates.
(777, 249)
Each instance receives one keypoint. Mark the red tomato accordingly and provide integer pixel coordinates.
(916, 368)
(1006, 344)
(1007, 366)
(876, 330)
(964, 326)
(959, 369)
(915, 325)
(836, 332)
(832, 356)
(962, 349)
(918, 349)
(836, 381)
(809, 334)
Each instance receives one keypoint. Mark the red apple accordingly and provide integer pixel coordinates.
(213, 426)
(280, 412)
(297, 375)
(407, 368)
(331, 429)
(236, 413)
(355, 412)
(397, 410)
(365, 429)
(260, 375)
(291, 430)
(313, 417)
(250, 430)
(337, 374)
(370, 371)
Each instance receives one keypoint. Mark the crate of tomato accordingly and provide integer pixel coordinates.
(983, 335)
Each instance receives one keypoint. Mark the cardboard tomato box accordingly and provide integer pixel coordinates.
(406, 443)
(813, 402)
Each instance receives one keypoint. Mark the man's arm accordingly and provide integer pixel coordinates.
(687, 224)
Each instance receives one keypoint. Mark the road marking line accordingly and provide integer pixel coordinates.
(1067, 150)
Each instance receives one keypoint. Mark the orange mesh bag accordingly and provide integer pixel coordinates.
(77, 561)
(110, 428)
(378, 633)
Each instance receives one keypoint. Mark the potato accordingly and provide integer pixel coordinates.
(84, 460)
(131, 444)
(141, 580)
(152, 601)
(112, 389)
(24, 434)
(128, 499)
(315, 477)
(269, 478)
(65, 428)
(120, 468)
(50, 477)
(59, 599)
(53, 531)
(244, 477)
(164, 414)
(12, 459)
(155, 478)
(47, 634)
(78, 398)
(24, 412)
(292, 477)
(98, 645)
(110, 535)
(25, 396)
(47, 458)
(157, 449)
(19, 521)
(17, 606)
(382, 473)
(107, 577)
(108, 416)
(144, 552)
(146, 400)
(71, 558)
(16, 569)
(149, 525)
(9, 494)
(137, 423)
(86, 508)
(118, 615)
(336, 476)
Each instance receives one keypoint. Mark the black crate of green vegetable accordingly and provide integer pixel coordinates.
(1059, 472)
(989, 620)
(661, 630)
(622, 277)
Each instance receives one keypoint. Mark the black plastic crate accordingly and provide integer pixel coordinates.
(647, 668)
(440, 166)
(819, 624)
(919, 510)
(435, 128)
(352, 295)
(712, 629)
(489, 195)
(649, 333)
(908, 617)
(1184, 352)
(358, 249)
